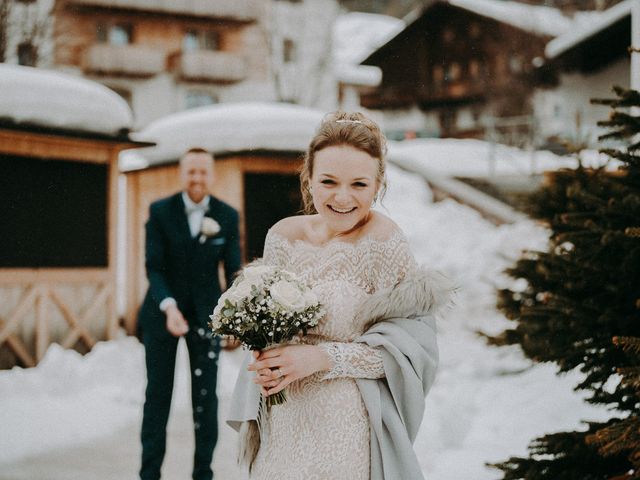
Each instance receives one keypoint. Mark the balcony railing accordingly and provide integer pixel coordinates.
(128, 60)
(240, 10)
(210, 66)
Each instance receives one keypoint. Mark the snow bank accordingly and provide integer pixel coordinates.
(69, 399)
(57, 100)
(227, 127)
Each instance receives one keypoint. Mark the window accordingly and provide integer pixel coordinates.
(201, 40)
(474, 68)
(438, 74)
(448, 35)
(27, 54)
(59, 219)
(196, 98)
(288, 50)
(452, 72)
(515, 64)
(116, 34)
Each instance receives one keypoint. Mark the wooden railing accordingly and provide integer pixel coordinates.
(41, 299)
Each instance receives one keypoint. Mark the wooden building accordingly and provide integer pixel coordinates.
(462, 63)
(58, 196)
(187, 52)
(258, 150)
(585, 63)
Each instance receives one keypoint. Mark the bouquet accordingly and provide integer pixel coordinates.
(266, 306)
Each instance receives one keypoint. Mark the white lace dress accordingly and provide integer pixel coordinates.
(322, 431)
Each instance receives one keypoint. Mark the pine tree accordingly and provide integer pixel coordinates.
(581, 308)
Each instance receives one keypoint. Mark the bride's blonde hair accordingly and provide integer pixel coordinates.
(344, 128)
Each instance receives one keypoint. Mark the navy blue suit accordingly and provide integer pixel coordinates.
(182, 267)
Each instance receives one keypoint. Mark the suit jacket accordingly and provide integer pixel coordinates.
(181, 267)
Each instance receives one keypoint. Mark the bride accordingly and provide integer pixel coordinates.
(356, 383)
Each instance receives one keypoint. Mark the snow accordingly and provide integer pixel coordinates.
(475, 158)
(569, 40)
(355, 36)
(54, 99)
(226, 127)
(487, 403)
(535, 19)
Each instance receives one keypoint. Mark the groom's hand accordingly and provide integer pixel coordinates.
(176, 324)
(278, 367)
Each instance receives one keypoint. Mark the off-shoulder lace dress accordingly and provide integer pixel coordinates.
(322, 431)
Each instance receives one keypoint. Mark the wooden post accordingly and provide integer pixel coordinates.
(111, 327)
(42, 322)
(635, 43)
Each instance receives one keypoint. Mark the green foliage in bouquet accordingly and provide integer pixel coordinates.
(581, 307)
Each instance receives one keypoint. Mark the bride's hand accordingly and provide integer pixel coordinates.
(278, 367)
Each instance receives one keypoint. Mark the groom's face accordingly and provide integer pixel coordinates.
(196, 173)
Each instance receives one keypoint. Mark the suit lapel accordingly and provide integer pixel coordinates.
(181, 217)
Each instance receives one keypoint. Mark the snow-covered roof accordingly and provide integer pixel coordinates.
(227, 127)
(574, 37)
(536, 19)
(56, 100)
(355, 36)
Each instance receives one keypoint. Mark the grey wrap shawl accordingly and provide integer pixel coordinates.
(401, 322)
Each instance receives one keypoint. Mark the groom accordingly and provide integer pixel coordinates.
(187, 236)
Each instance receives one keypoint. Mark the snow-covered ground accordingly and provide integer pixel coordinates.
(487, 403)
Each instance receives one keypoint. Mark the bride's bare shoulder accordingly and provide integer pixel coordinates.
(382, 227)
(291, 228)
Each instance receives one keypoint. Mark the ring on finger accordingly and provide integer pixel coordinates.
(279, 372)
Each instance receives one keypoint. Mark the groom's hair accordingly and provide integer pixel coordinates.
(198, 150)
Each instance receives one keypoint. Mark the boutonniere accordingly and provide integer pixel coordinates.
(209, 228)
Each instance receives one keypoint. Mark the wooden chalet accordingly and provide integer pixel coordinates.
(58, 195)
(258, 150)
(583, 64)
(460, 64)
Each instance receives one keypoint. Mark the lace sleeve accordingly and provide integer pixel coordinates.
(389, 262)
(275, 251)
(354, 360)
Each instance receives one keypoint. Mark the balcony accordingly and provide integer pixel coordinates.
(211, 66)
(125, 60)
(238, 10)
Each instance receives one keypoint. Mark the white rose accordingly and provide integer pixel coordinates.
(239, 292)
(256, 274)
(287, 295)
(209, 227)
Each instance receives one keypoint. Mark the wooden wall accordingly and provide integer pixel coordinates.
(451, 57)
(71, 306)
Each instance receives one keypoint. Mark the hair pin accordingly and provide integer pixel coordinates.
(344, 120)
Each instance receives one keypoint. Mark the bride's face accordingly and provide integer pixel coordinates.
(343, 186)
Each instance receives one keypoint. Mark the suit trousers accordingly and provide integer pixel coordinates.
(160, 358)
